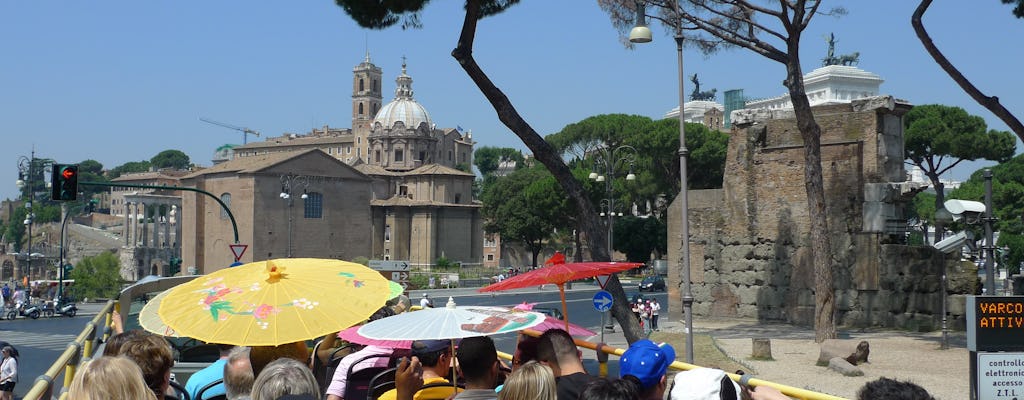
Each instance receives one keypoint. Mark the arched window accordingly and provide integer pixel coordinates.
(226, 198)
(314, 205)
(361, 88)
(360, 108)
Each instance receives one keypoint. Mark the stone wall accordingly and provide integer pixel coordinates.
(749, 250)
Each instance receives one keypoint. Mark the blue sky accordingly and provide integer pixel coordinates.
(121, 80)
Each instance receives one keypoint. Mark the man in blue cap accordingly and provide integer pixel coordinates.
(436, 358)
(645, 363)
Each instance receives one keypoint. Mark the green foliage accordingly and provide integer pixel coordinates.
(487, 159)
(639, 237)
(128, 167)
(384, 14)
(91, 171)
(936, 134)
(90, 165)
(362, 261)
(1008, 205)
(657, 162)
(1018, 10)
(175, 159)
(525, 206)
(98, 276)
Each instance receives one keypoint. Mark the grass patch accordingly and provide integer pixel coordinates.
(705, 352)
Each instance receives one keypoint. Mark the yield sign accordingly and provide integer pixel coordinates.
(602, 280)
(238, 250)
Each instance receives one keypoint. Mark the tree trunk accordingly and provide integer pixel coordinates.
(547, 155)
(821, 244)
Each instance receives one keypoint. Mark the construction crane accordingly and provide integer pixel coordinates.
(245, 131)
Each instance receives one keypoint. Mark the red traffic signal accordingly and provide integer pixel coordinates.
(64, 182)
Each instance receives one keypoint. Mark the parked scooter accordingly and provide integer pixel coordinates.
(24, 310)
(59, 308)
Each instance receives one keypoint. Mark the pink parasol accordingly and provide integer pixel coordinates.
(554, 323)
(352, 335)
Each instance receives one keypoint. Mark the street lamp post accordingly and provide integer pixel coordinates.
(26, 174)
(611, 161)
(642, 34)
(290, 183)
(943, 218)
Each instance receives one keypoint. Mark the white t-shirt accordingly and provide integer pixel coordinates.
(425, 302)
(9, 370)
(655, 307)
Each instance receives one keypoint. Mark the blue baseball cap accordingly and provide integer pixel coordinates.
(646, 361)
(429, 346)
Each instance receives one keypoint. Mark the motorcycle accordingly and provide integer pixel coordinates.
(59, 308)
(24, 310)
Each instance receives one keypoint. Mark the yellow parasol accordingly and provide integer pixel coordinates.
(150, 320)
(268, 303)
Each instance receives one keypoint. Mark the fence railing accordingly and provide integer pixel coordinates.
(80, 349)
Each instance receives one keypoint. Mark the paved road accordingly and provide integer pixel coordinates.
(41, 341)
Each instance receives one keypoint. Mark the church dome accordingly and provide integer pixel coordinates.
(403, 108)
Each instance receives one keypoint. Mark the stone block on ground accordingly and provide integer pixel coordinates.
(842, 366)
(761, 349)
(832, 348)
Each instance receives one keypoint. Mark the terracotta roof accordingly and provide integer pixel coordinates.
(402, 201)
(370, 169)
(438, 169)
(283, 141)
(251, 163)
(147, 176)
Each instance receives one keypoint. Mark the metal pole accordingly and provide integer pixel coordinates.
(990, 277)
(945, 326)
(289, 211)
(687, 295)
(609, 167)
(60, 268)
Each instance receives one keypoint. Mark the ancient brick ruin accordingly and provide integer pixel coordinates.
(749, 252)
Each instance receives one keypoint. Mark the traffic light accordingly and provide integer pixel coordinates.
(68, 268)
(174, 266)
(64, 182)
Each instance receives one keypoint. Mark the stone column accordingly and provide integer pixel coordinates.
(166, 243)
(145, 226)
(126, 227)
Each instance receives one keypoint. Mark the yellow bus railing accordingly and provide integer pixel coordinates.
(83, 346)
(604, 350)
(77, 351)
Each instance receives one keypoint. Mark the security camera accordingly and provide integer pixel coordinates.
(971, 210)
(952, 243)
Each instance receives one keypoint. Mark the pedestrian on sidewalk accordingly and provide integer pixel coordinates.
(655, 308)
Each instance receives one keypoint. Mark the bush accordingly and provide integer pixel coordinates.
(362, 260)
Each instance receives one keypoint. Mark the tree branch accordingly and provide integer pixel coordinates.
(749, 21)
(757, 46)
(989, 102)
(814, 10)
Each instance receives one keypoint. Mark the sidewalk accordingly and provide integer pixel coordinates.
(894, 354)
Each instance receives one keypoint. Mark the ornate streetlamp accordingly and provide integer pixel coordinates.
(611, 161)
(291, 183)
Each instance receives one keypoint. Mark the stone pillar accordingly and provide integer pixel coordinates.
(177, 229)
(166, 242)
(144, 225)
(126, 227)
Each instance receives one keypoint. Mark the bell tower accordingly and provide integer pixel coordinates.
(366, 101)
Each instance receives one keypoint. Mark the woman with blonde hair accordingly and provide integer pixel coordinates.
(113, 378)
(531, 381)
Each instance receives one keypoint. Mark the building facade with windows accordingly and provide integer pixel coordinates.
(388, 188)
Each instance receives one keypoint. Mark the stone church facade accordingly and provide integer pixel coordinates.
(392, 186)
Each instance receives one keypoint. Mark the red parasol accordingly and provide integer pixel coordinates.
(559, 274)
